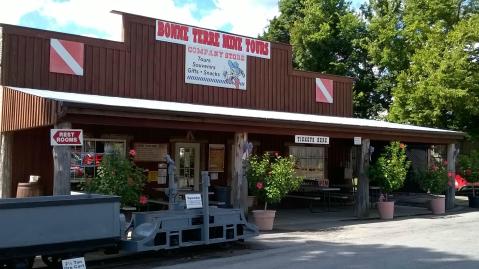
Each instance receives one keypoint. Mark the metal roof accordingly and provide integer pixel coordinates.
(175, 107)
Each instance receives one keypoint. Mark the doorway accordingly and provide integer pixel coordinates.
(187, 159)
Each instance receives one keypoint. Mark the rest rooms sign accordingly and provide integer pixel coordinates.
(310, 139)
(66, 137)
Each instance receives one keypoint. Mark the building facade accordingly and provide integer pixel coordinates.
(202, 96)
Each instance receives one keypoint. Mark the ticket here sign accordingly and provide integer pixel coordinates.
(190, 35)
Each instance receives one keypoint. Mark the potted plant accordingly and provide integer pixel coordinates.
(118, 175)
(270, 178)
(469, 167)
(389, 172)
(434, 181)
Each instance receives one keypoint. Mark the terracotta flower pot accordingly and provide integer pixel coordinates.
(251, 201)
(438, 205)
(386, 210)
(264, 219)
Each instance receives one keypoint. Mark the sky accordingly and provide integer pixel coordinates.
(93, 17)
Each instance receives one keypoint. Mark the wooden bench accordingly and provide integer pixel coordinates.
(311, 199)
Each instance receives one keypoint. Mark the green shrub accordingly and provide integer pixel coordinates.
(469, 167)
(118, 175)
(271, 178)
(391, 168)
(434, 180)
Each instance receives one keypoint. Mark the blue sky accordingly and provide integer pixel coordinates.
(93, 17)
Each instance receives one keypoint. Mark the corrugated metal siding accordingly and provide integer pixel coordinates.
(23, 111)
(145, 68)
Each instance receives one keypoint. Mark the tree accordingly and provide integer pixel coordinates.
(327, 36)
(425, 52)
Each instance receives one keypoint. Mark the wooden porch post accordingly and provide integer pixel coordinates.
(239, 186)
(362, 201)
(6, 147)
(451, 171)
(61, 165)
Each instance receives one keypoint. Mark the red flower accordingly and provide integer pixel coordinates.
(259, 185)
(132, 152)
(402, 145)
(143, 200)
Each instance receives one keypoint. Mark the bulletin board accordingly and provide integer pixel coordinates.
(150, 152)
(216, 160)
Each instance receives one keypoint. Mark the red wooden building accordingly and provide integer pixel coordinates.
(194, 93)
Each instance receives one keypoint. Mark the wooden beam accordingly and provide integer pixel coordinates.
(6, 149)
(451, 171)
(240, 185)
(362, 201)
(61, 165)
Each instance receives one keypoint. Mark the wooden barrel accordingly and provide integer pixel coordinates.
(28, 189)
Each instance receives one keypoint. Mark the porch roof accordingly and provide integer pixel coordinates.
(209, 111)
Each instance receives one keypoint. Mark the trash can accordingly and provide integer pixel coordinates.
(223, 194)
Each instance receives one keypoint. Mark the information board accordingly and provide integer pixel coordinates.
(216, 160)
(150, 152)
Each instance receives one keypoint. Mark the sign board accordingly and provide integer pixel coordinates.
(311, 139)
(150, 152)
(216, 160)
(324, 90)
(193, 200)
(357, 140)
(66, 137)
(75, 263)
(195, 36)
(66, 57)
(215, 67)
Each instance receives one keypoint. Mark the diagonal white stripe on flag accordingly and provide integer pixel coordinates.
(65, 55)
(325, 91)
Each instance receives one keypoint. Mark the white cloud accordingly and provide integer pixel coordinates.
(248, 17)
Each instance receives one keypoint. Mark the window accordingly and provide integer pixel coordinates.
(311, 162)
(85, 159)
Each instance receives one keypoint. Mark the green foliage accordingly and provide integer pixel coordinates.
(328, 36)
(118, 175)
(469, 167)
(271, 178)
(426, 54)
(434, 180)
(391, 168)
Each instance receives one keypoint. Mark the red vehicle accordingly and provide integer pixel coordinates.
(462, 185)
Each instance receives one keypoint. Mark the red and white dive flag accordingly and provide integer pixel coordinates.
(66, 57)
(324, 90)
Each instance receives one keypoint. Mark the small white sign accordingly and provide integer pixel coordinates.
(311, 139)
(357, 140)
(193, 200)
(75, 263)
